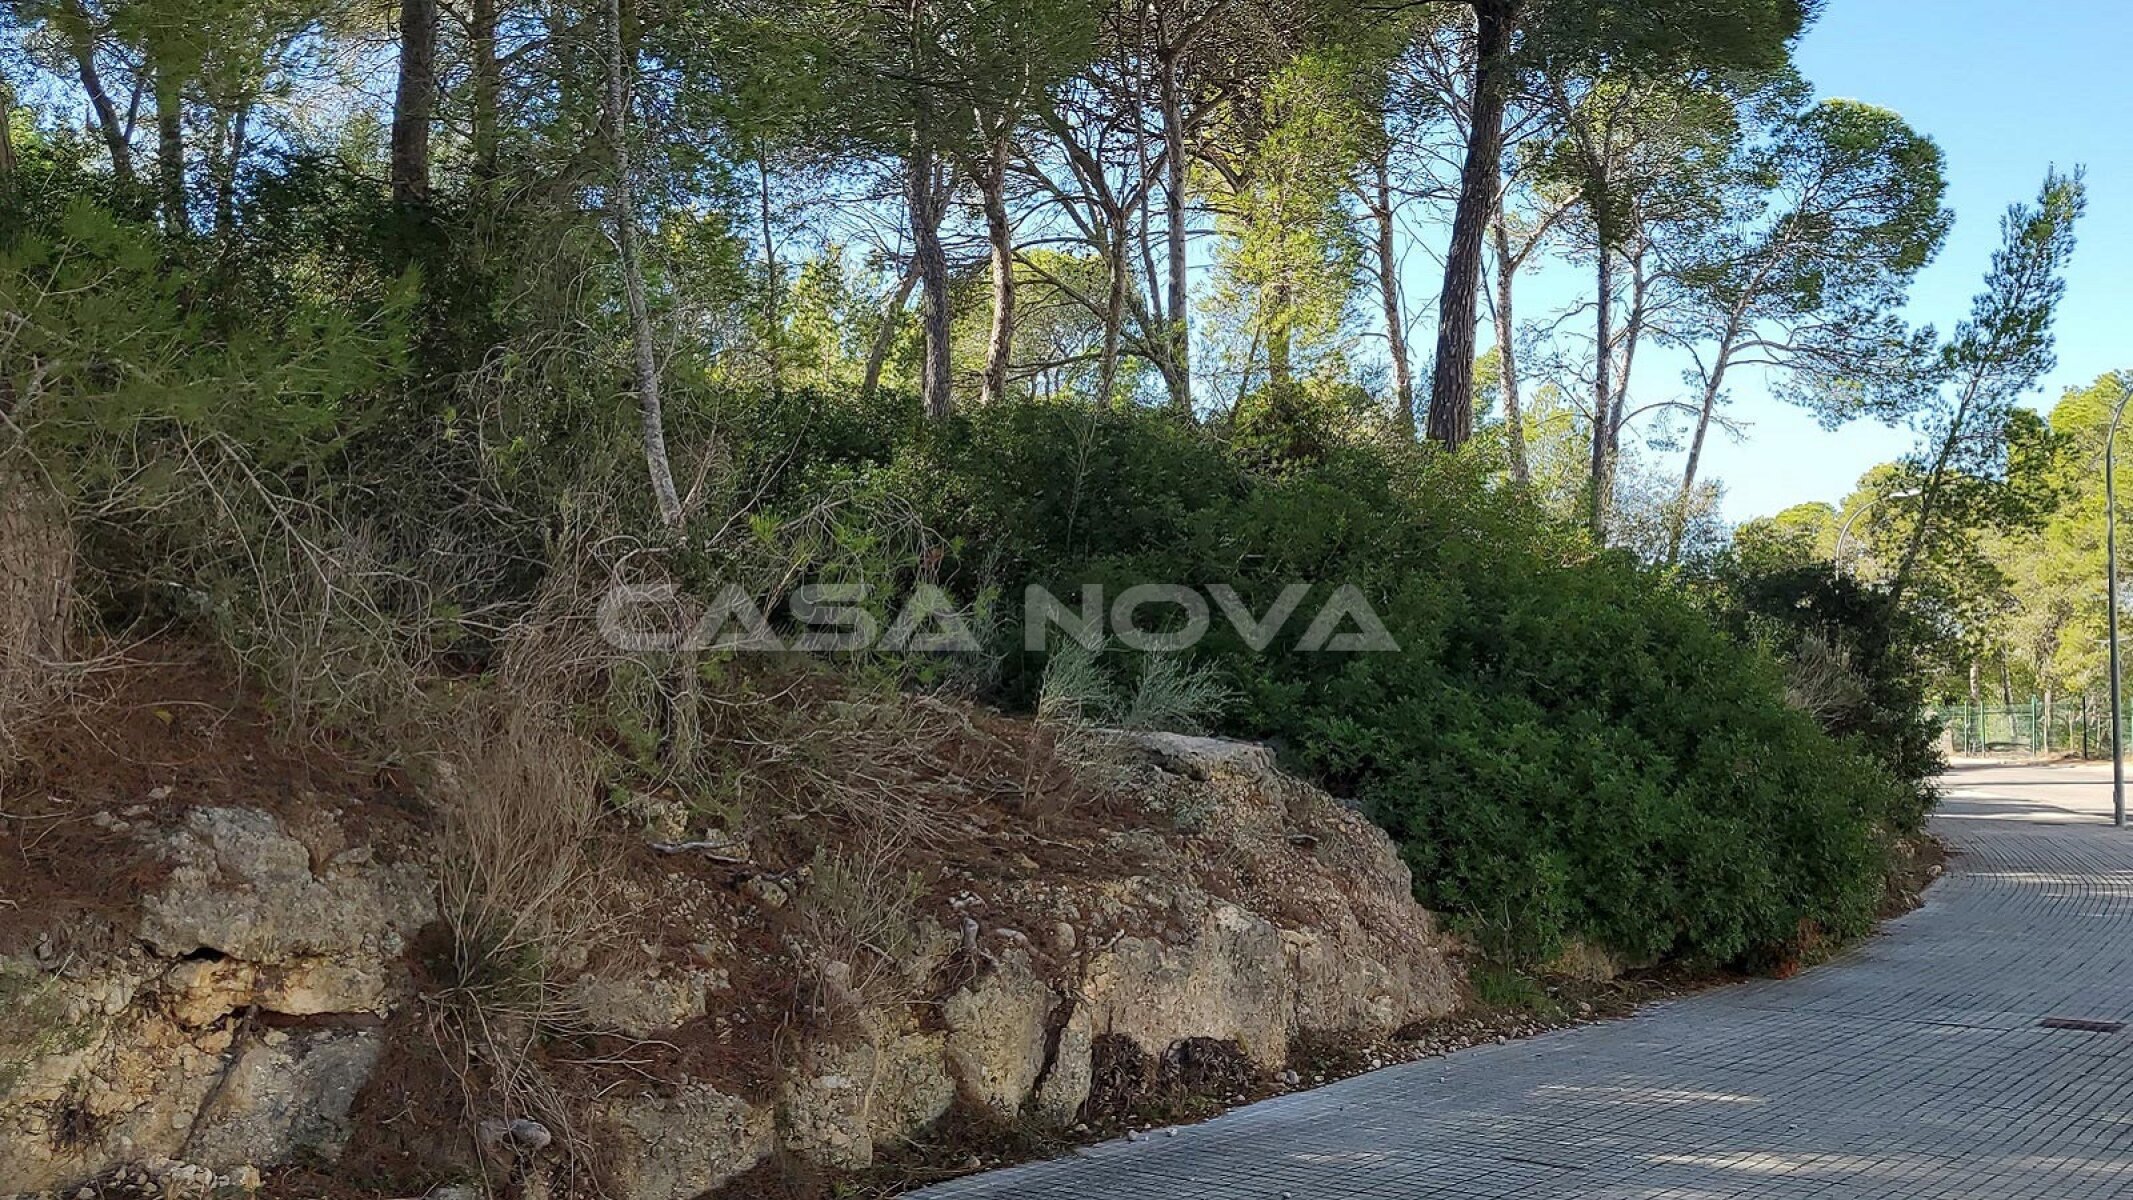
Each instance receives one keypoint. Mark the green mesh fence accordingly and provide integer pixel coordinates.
(2081, 728)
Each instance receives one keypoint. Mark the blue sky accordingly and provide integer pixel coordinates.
(2007, 89)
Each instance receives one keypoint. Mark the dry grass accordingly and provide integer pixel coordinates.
(518, 791)
(521, 887)
(309, 600)
(1820, 681)
(859, 918)
(37, 599)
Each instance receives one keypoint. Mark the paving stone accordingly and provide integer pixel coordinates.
(1911, 1068)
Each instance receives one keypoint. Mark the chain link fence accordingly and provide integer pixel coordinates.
(2080, 728)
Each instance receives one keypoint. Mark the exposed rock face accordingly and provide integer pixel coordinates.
(1328, 939)
(172, 1046)
(282, 1096)
(841, 1101)
(245, 1013)
(997, 1033)
(680, 1146)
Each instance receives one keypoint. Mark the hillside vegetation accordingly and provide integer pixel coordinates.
(389, 399)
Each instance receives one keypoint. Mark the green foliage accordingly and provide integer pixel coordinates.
(1564, 745)
(2012, 584)
(344, 430)
(1796, 537)
(1821, 618)
(1507, 989)
(112, 345)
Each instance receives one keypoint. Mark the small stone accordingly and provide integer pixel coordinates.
(765, 892)
(519, 1136)
(531, 1137)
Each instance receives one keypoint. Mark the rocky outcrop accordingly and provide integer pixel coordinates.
(1324, 937)
(236, 1022)
(233, 1027)
(997, 1033)
(681, 1145)
(1322, 933)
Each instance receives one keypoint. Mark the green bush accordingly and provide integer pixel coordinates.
(1821, 620)
(1564, 746)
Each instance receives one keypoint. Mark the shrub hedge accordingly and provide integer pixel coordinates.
(1565, 746)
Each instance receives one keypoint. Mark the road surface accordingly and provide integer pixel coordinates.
(1914, 1066)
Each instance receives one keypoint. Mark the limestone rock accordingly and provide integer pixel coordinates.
(1249, 909)
(285, 1097)
(642, 1006)
(680, 1146)
(1072, 1073)
(139, 1053)
(840, 1102)
(1225, 980)
(996, 1035)
(242, 887)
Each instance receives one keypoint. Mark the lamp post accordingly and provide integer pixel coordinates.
(1837, 554)
(2110, 573)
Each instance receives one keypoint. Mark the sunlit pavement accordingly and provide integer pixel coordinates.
(1913, 1066)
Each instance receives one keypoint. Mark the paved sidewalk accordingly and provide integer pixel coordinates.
(1913, 1067)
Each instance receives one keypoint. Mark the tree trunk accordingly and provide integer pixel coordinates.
(226, 181)
(885, 336)
(1640, 287)
(1603, 399)
(1928, 500)
(773, 322)
(1278, 373)
(7, 132)
(1117, 274)
(83, 45)
(1179, 341)
(414, 100)
(170, 152)
(1451, 396)
(1514, 413)
(1000, 235)
(1403, 383)
(1711, 389)
(651, 415)
(1678, 524)
(932, 261)
(487, 87)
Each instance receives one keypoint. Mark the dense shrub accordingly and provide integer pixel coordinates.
(1564, 745)
(1853, 640)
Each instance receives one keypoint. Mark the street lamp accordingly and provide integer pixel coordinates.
(1837, 555)
(2110, 572)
